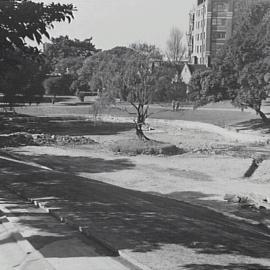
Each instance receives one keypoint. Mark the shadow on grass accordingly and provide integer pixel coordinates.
(226, 267)
(136, 220)
(81, 164)
(73, 126)
(254, 124)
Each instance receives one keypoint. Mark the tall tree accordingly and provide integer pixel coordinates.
(104, 70)
(168, 83)
(176, 50)
(139, 80)
(66, 56)
(19, 20)
(24, 79)
(65, 53)
(125, 73)
(129, 74)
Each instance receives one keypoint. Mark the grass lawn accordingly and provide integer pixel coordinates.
(221, 116)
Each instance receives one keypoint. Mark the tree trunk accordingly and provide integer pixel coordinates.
(253, 167)
(139, 125)
(140, 133)
(262, 115)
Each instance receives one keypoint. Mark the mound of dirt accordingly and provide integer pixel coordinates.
(16, 139)
(138, 147)
(23, 139)
(47, 139)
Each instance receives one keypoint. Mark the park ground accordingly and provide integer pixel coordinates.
(163, 212)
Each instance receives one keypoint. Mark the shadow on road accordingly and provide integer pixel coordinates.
(233, 209)
(135, 220)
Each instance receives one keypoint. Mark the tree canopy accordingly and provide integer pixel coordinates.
(21, 20)
(149, 50)
(130, 75)
(65, 58)
(26, 80)
(169, 85)
(65, 53)
(104, 70)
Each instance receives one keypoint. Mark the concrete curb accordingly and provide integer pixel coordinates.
(84, 230)
(133, 261)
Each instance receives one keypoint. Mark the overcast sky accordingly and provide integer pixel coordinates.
(120, 22)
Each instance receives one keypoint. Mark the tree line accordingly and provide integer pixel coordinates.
(60, 69)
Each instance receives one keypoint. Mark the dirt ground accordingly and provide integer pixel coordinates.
(200, 170)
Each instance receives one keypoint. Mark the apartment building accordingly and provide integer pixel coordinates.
(211, 23)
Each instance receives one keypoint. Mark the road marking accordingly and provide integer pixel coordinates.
(32, 164)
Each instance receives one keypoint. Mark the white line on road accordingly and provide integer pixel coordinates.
(32, 164)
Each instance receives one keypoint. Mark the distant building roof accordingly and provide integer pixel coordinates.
(188, 70)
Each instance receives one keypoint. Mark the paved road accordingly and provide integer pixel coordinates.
(142, 225)
(31, 239)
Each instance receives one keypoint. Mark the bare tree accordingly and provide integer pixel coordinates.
(175, 48)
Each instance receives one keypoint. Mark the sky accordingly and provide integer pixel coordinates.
(121, 22)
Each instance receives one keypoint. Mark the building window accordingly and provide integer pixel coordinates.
(219, 7)
(218, 21)
(219, 35)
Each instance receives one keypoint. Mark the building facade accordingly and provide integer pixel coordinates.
(211, 23)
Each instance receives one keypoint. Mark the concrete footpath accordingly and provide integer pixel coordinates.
(31, 239)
